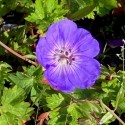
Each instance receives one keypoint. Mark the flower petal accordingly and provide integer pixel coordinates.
(115, 43)
(61, 32)
(84, 73)
(58, 78)
(86, 44)
(81, 75)
(44, 54)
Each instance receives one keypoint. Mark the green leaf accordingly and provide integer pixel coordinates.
(59, 117)
(121, 107)
(38, 13)
(6, 6)
(69, 113)
(53, 117)
(82, 94)
(84, 111)
(105, 6)
(55, 101)
(5, 65)
(22, 80)
(31, 77)
(13, 109)
(74, 6)
(111, 86)
(83, 12)
(74, 122)
(4, 71)
(118, 104)
(107, 118)
(109, 4)
(4, 120)
(73, 109)
(12, 96)
(91, 107)
(46, 13)
(15, 114)
(51, 5)
(120, 96)
(87, 8)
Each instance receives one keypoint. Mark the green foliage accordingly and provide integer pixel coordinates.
(30, 78)
(88, 8)
(58, 117)
(66, 110)
(13, 109)
(55, 101)
(106, 6)
(19, 42)
(6, 6)
(107, 118)
(69, 114)
(4, 70)
(18, 5)
(24, 95)
(10, 96)
(22, 80)
(84, 9)
(46, 13)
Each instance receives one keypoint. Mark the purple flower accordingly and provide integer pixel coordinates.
(67, 55)
(115, 43)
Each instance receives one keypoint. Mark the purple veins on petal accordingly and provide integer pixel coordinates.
(86, 44)
(67, 54)
(58, 79)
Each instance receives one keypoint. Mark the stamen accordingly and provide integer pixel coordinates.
(66, 53)
(64, 56)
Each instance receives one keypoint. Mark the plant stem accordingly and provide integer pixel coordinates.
(37, 111)
(17, 54)
(105, 48)
(112, 112)
(68, 5)
(123, 58)
(106, 107)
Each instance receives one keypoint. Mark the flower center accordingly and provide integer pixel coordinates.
(64, 56)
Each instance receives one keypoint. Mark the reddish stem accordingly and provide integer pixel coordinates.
(17, 54)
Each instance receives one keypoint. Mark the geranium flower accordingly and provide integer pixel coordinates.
(67, 55)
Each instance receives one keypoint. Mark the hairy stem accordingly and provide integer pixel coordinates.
(112, 112)
(17, 54)
(106, 107)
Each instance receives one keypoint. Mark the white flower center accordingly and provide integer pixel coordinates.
(64, 56)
